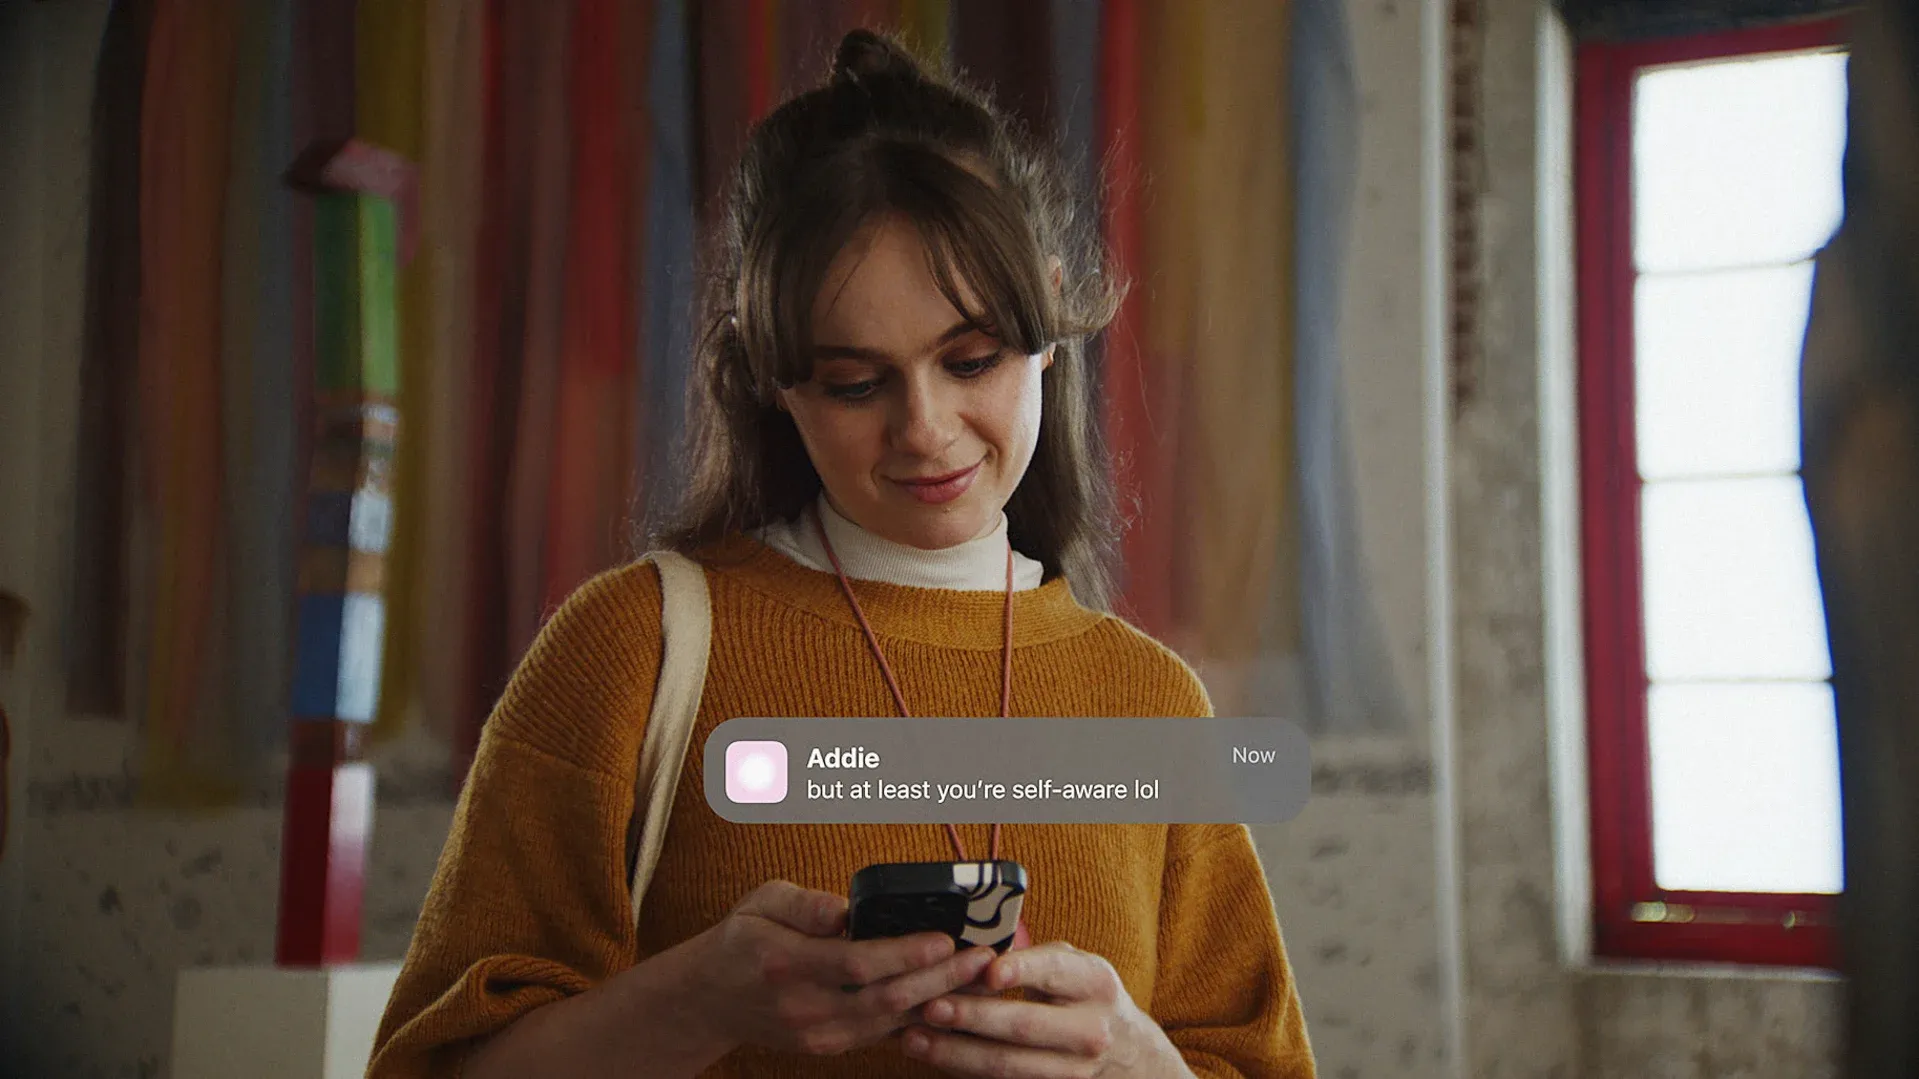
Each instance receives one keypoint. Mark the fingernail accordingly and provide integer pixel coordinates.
(940, 1011)
(916, 1043)
(1003, 975)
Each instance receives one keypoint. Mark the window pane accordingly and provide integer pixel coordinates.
(1717, 371)
(1737, 163)
(1745, 788)
(1730, 586)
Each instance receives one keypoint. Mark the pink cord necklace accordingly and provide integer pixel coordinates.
(1006, 662)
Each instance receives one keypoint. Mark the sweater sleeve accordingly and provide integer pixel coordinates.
(1225, 993)
(529, 902)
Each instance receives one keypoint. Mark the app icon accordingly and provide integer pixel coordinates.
(756, 772)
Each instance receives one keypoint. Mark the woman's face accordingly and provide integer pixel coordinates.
(919, 424)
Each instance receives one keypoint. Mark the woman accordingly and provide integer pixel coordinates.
(892, 391)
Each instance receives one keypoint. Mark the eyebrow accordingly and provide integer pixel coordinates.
(855, 352)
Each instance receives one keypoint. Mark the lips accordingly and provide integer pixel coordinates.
(942, 488)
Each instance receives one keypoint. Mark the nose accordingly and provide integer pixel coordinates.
(925, 419)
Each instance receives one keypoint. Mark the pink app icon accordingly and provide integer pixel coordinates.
(756, 772)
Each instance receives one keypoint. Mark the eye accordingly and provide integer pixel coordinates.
(851, 391)
(976, 366)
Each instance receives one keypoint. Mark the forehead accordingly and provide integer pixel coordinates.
(880, 292)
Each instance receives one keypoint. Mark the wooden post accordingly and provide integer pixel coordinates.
(358, 228)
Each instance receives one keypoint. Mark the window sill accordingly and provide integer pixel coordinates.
(1654, 968)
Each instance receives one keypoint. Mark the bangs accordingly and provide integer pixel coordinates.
(976, 234)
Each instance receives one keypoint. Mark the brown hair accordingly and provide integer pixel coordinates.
(886, 136)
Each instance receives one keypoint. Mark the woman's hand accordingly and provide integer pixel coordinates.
(1079, 1023)
(776, 973)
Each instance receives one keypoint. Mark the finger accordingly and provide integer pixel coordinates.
(906, 992)
(966, 1055)
(1077, 1030)
(886, 1006)
(803, 910)
(1058, 970)
(845, 1035)
(863, 962)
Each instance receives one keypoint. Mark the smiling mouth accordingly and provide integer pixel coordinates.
(929, 481)
(943, 488)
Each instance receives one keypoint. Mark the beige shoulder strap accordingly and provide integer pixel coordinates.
(686, 626)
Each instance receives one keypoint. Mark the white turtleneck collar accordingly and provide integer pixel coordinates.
(978, 565)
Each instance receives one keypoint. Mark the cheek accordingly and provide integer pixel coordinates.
(1011, 416)
(837, 439)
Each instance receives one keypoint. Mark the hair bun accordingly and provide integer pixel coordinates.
(864, 55)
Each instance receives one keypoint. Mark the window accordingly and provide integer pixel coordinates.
(1708, 177)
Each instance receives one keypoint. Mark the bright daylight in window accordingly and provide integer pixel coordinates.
(1736, 185)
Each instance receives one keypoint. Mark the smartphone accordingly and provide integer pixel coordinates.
(975, 903)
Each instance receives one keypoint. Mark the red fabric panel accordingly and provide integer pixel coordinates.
(593, 433)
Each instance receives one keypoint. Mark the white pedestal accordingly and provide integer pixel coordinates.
(235, 1022)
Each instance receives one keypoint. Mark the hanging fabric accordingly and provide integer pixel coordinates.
(1008, 46)
(499, 324)
(1138, 430)
(180, 589)
(257, 390)
(723, 41)
(926, 26)
(1074, 65)
(666, 296)
(544, 31)
(1228, 245)
(810, 32)
(97, 638)
(451, 178)
(1349, 684)
(594, 414)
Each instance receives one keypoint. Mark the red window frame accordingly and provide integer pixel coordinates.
(1632, 916)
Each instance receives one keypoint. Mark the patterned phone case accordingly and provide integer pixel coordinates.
(975, 903)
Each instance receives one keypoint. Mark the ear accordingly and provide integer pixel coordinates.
(1046, 358)
(779, 400)
(1056, 270)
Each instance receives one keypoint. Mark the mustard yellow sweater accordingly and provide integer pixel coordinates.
(529, 903)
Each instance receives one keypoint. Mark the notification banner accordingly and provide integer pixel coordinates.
(888, 770)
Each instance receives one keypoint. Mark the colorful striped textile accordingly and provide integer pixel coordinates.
(186, 131)
(594, 411)
(1199, 368)
(569, 153)
(1231, 331)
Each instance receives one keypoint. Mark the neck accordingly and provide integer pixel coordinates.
(977, 565)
